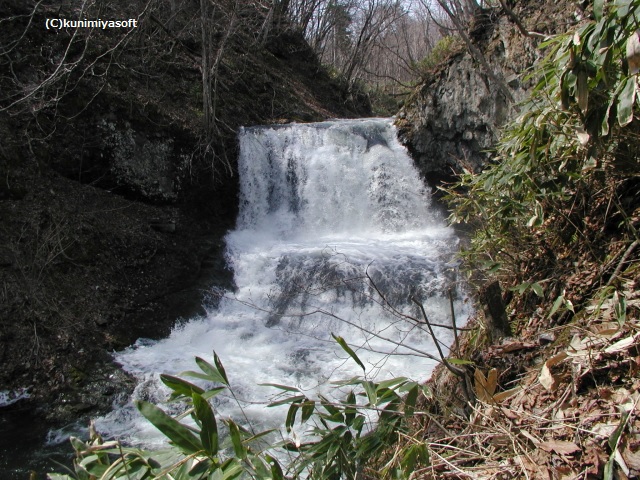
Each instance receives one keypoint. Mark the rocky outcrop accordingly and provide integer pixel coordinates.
(452, 119)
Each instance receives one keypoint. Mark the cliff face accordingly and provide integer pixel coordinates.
(452, 119)
(113, 196)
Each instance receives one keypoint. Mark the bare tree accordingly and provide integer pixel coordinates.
(395, 59)
(219, 21)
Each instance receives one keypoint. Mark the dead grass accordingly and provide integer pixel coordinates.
(546, 409)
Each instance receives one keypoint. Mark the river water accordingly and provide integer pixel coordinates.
(332, 215)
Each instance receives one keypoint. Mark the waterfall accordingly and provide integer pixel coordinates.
(335, 228)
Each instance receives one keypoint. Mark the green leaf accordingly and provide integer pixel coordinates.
(236, 440)
(604, 128)
(620, 307)
(370, 388)
(212, 372)
(291, 415)
(460, 361)
(296, 399)
(259, 435)
(209, 431)
(410, 401)
(77, 444)
(213, 392)
(598, 8)
(276, 470)
(416, 453)
(231, 469)
(537, 289)
(556, 305)
(582, 90)
(358, 423)
(307, 410)
(200, 469)
(615, 436)
(623, 7)
(180, 386)
(392, 382)
(281, 387)
(350, 382)
(350, 409)
(191, 373)
(626, 100)
(569, 305)
(521, 288)
(608, 469)
(218, 363)
(180, 435)
(347, 349)
(328, 406)
(533, 221)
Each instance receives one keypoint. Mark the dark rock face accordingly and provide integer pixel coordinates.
(453, 118)
(114, 199)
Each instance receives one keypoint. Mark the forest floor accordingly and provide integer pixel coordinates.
(553, 401)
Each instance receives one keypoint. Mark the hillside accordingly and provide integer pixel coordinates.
(545, 382)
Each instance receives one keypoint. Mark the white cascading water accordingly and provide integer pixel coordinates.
(332, 215)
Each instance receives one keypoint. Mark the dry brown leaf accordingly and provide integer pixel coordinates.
(566, 473)
(583, 346)
(621, 345)
(604, 430)
(561, 447)
(538, 471)
(515, 346)
(480, 385)
(583, 136)
(547, 379)
(485, 387)
(556, 359)
(528, 435)
(621, 396)
(606, 329)
(502, 396)
(621, 463)
(605, 393)
(492, 381)
(631, 455)
(596, 457)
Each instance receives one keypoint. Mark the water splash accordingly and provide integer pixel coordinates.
(335, 234)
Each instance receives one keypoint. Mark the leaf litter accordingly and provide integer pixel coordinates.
(561, 410)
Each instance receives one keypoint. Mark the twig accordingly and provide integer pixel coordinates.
(510, 13)
(450, 367)
(126, 467)
(622, 262)
(453, 323)
(398, 313)
(459, 372)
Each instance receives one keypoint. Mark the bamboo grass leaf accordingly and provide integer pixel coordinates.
(180, 435)
(209, 431)
(347, 349)
(625, 102)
